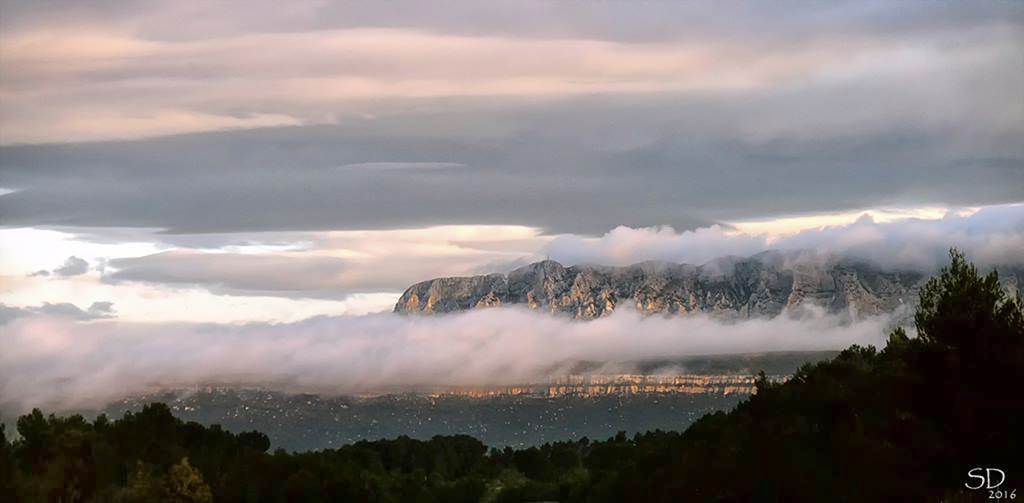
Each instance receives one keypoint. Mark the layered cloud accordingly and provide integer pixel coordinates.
(74, 76)
(57, 363)
(563, 117)
(274, 272)
(337, 263)
(329, 264)
(129, 78)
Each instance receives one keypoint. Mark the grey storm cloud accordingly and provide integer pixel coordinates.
(680, 115)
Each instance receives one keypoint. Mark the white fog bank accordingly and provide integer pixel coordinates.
(59, 363)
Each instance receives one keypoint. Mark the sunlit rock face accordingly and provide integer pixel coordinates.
(444, 295)
(731, 288)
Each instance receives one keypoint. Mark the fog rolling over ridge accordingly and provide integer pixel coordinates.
(543, 320)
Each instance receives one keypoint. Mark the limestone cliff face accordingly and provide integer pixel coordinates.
(760, 286)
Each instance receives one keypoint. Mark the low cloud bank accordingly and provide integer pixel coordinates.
(992, 236)
(56, 362)
(338, 263)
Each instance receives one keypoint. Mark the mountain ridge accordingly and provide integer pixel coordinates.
(763, 285)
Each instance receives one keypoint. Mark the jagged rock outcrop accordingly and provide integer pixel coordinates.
(730, 288)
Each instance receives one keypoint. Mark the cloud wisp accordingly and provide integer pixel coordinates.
(56, 362)
(73, 266)
(61, 310)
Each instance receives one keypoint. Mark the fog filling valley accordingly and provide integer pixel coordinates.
(60, 363)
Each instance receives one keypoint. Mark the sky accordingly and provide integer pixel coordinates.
(232, 163)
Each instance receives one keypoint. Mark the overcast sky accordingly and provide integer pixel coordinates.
(225, 162)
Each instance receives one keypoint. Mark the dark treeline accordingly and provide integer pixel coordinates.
(902, 424)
